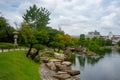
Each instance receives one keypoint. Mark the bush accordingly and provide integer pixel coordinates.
(37, 59)
(47, 54)
(6, 45)
(71, 57)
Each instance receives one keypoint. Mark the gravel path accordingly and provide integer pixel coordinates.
(45, 73)
(7, 50)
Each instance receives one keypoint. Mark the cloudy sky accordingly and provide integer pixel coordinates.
(73, 16)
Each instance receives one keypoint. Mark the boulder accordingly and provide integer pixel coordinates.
(63, 67)
(61, 72)
(68, 51)
(51, 65)
(66, 63)
(73, 78)
(44, 59)
(72, 72)
(79, 49)
(62, 76)
(59, 56)
(55, 60)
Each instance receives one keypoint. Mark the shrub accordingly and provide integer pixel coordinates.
(6, 45)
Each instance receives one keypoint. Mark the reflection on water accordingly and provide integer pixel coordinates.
(106, 67)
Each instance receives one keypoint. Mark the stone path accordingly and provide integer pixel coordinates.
(45, 73)
(6, 50)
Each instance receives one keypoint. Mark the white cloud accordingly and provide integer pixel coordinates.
(108, 20)
(74, 16)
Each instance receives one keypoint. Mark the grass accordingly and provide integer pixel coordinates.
(15, 66)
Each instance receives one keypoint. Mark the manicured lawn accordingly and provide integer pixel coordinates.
(15, 66)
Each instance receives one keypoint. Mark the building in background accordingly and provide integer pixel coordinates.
(115, 39)
(93, 34)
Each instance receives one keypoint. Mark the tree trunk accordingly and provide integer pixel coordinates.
(54, 49)
(35, 54)
(58, 49)
(31, 45)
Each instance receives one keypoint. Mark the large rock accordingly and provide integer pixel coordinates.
(62, 76)
(51, 65)
(72, 72)
(68, 51)
(73, 78)
(66, 63)
(61, 72)
(56, 61)
(63, 67)
(44, 59)
(59, 56)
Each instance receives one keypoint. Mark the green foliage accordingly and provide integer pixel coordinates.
(71, 57)
(14, 65)
(37, 59)
(6, 31)
(47, 54)
(37, 17)
(118, 43)
(100, 41)
(42, 36)
(6, 45)
(33, 30)
(82, 40)
(27, 34)
(93, 47)
(56, 44)
(38, 47)
(75, 41)
(52, 33)
(108, 42)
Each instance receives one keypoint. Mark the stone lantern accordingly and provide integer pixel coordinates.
(15, 38)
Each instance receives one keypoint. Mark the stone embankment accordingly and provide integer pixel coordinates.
(57, 69)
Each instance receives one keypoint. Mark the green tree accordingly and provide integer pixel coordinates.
(108, 42)
(100, 41)
(82, 40)
(118, 43)
(6, 31)
(51, 34)
(42, 36)
(38, 47)
(28, 36)
(37, 17)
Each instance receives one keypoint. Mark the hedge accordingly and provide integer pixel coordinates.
(6, 45)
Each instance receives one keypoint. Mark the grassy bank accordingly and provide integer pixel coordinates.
(15, 66)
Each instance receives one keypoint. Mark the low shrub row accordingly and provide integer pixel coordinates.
(6, 45)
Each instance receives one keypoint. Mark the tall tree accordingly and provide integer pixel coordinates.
(28, 36)
(82, 40)
(6, 31)
(37, 17)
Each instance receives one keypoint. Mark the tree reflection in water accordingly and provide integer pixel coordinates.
(103, 67)
(91, 60)
(88, 59)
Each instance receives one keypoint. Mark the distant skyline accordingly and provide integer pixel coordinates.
(73, 16)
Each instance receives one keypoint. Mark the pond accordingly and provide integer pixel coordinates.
(106, 67)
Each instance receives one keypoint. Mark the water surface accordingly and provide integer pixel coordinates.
(106, 67)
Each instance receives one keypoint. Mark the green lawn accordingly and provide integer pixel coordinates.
(15, 66)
